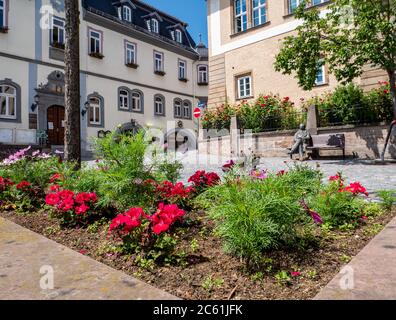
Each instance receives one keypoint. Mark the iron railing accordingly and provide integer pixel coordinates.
(287, 121)
(354, 115)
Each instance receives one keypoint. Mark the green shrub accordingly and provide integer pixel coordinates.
(121, 171)
(349, 104)
(36, 171)
(388, 198)
(337, 208)
(253, 215)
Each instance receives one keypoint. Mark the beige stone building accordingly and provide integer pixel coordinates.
(244, 38)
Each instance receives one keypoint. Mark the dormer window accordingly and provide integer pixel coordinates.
(154, 25)
(126, 14)
(178, 36)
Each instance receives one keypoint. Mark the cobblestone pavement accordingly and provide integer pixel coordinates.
(373, 176)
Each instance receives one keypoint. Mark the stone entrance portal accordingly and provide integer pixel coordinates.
(51, 107)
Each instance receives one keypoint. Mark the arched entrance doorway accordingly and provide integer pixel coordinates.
(56, 125)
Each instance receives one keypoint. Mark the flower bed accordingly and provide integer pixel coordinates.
(347, 104)
(251, 235)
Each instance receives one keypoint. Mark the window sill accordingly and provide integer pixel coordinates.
(325, 84)
(4, 29)
(159, 114)
(250, 29)
(245, 98)
(183, 79)
(96, 55)
(290, 14)
(137, 111)
(95, 125)
(58, 46)
(202, 83)
(132, 65)
(160, 73)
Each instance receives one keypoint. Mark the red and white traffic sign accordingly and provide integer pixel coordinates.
(197, 112)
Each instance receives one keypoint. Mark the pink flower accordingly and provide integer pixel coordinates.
(296, 274)
(261, 175)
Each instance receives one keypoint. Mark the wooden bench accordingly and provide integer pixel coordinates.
(327, 142)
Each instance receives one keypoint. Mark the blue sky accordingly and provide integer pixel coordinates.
(191, 11)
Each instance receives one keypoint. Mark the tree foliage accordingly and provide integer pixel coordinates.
(346, 36)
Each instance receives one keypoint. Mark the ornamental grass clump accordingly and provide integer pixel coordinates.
(255, 215)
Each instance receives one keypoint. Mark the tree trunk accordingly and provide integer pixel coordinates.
(392, 83)
(72, 83)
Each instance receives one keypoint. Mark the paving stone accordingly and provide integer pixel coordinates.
(76, 277)
(373, 272)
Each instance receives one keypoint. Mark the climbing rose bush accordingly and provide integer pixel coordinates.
(69, 207)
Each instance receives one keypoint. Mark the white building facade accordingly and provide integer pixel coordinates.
(138, 65)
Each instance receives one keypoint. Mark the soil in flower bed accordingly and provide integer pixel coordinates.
(212, 274)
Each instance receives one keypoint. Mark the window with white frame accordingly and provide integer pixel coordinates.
(2, 13)
(8, 100)
(182, 69)
(136, 101)
(317, 2)
(158, 61)
(202, 74)
(95, 42)
(124, 99)
(259, 12)
(293, 5)
(178, 36)
(159, 105)
(240, 15)
(244, 85)
(186, 109)
(94, 111)
(321, 74)
(130, 53)
(154, 25)
(177, 108)
(58, 32)
(126, 14)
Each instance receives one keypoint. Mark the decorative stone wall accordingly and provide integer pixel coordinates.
(362, 142)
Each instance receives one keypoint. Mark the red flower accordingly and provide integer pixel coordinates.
(83, 251)
(52, 199)
(165, 216)
(55, 188)
(356, 188)
(55, 177)
(81, 209)
(296, 274)
(66, 204)
(124, 224)
(23, 185)
(281, 173)
(5, 183)
(66, 194)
